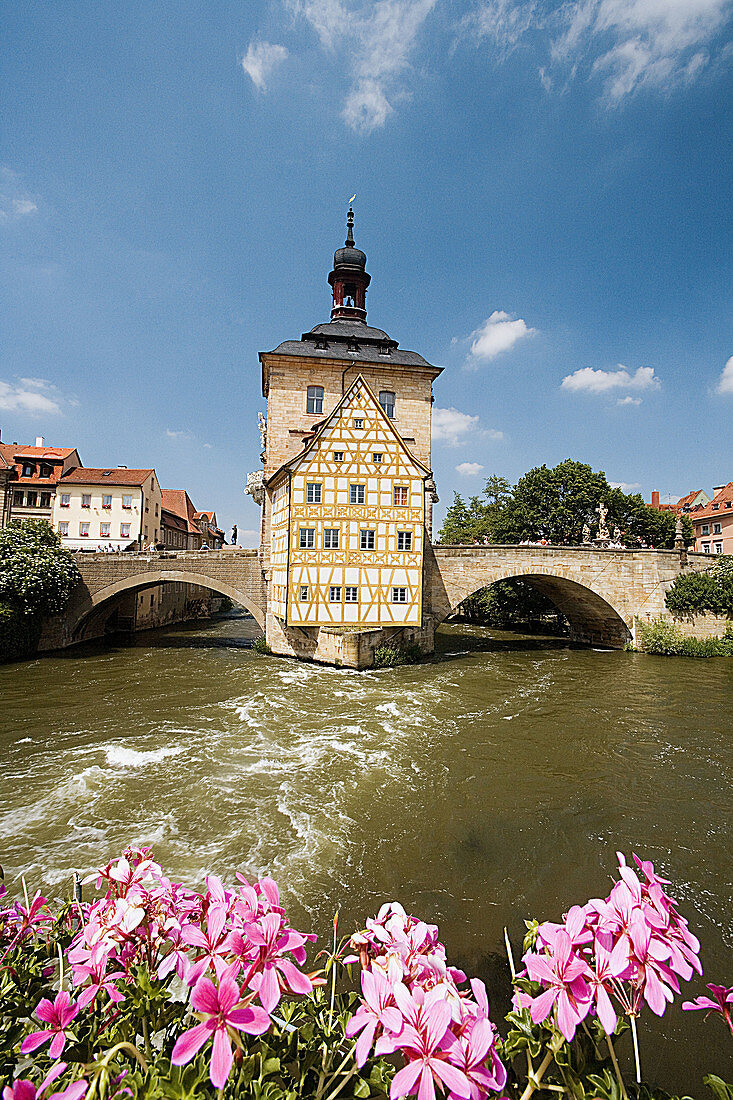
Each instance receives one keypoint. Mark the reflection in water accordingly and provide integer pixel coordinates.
(489, 784)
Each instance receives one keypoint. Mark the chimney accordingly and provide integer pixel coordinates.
(39, 441)
(655, 499)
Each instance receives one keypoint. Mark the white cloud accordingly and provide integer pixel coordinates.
(725, 385)
(260, 60)
(451, 426)
(177, 434)
(629, 400)
(377, 36)
(498, 333)
(14, 201)
(24, 206)
(30, 395)
(469, 469)
(627, 44)
(626, 486)
(588, 380)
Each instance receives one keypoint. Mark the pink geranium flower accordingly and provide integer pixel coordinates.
(59, 1015)
(565, 974)
(377, 1011)
(216, 1008)
(26, 1090)
(426, 1061)
(721, 1002)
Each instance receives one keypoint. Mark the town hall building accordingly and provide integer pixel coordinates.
(346, 489)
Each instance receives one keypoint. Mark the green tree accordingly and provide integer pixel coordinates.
(476, 521)
(36, 573)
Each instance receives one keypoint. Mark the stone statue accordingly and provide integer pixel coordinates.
(617, 534)
(679, 534)
(602, 529)
(262, 425)
(586, 533)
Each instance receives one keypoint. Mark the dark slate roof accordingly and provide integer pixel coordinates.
(351, 340)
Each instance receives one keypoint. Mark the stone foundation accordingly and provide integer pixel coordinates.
(703, 626)
(333, 645)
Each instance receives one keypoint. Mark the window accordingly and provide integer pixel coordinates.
(717, 529)
(124, 530)
(304, 591)
(145, 532)
(338, 456)
(313, 493)
(127, 502)
(29, 469)
(86, 500)
(366, 540)
(358, 422)
(377, 457)
(156, 508)
(315, 399)
(31, 499)
(18, 498)
(705, 529)
(404, 540)
(706, 548)
(107, 500)
(64, 528)
(45, 500)
(718, 547)
(307, 538)
(45, 470)
(729, 503)
(147, 505)
(331, 538)
(334, 593)
(84, 530)
(104, 530)
(715, 507)
(386, 400)
(356, 494)
(399, 595)
(65, 500)
(400, 494)
(351, 594)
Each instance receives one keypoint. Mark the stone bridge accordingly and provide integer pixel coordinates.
(601, 592)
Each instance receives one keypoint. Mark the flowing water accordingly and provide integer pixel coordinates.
(492, 783)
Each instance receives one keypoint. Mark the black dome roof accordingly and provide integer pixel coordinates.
(349, 257)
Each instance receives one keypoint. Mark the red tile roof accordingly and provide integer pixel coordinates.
(178, 502)
(709, 512)
(86, 475)
(177, 523)
(11, 451)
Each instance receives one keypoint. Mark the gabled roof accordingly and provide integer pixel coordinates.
(170, 519)
(708, 512)
(210, 517)
(13, 451)
(87, 475)
(321, 428)
(179, 503)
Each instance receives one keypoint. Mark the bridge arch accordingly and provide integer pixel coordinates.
(161, 576)
(588, 607)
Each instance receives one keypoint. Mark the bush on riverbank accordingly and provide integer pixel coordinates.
(388, 656)
(662, 638)
(19, 633)
(156, 991)
(698, 593)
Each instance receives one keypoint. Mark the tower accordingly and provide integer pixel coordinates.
(347, 489)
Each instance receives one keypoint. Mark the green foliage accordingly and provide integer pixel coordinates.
(36, 573)
(662, 638)
(555, 504)
(259, 645)
(19, 633)
(511, 603)
(698, 593)
(386, 656)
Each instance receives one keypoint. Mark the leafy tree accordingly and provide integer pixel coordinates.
(698, 593)
(36, 573)
(477, 520)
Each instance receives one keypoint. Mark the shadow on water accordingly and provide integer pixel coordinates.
(194, 634)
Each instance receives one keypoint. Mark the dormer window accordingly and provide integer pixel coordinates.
(385, 349)
(386, 400)
(29, 469)
(321, 343)
(352, 345)
(45, 471)
(315, 400)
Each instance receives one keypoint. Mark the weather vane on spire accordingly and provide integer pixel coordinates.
(352, 198)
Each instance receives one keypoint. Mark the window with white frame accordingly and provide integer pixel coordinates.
(124, 530)
(64, 528)
(106, 500)
(718, 547)
(400, 495)
(86, 500)
(358, 422)
(377, 457)
(65, 500)
(126, 501)
(334, 593)
(315, 399)
(366, 540)
(717, 529)
(304, 591)
(313, 492)
(705, 529)
(386, 400)
(84, 530)
(404, 540)
(338, 456)
(357, 494)
(330, 538)
(45, 500)
(307, 538)
(399, 595)
(706, 548)
(104, 530)
(351, 594)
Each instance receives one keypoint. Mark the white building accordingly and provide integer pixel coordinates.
(96, 508)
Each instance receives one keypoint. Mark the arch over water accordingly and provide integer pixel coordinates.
(164, 576)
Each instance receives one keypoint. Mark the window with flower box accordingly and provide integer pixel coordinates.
(124, 530)
(84, 530)
(107, 501)
(104, 529)
(65, 500)
(86, 500)
(126, 502)
(64, 528)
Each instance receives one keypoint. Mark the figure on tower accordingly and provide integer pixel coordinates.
(349, 278)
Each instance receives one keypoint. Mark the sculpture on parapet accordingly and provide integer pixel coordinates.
(602, 528)
(586, 534)
(262, 425)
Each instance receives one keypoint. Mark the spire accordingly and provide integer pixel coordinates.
(349, 278)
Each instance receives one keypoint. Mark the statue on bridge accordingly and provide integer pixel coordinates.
(602, 528)
(586, 534)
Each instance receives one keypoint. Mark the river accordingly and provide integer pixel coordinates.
(492, 783)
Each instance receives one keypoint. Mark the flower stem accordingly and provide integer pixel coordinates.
(619, 1078)
(336, 1091)
(534, 1082)
(636, 1048)
(509, 955)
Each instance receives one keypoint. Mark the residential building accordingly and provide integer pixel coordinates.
(694, 499)
(34, 474)
(115, 507)
(180, 530)
(713, 522)
(213, 535)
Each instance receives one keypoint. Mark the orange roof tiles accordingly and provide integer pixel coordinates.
(86, 475)
(709, 510)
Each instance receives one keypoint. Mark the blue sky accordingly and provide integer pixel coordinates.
(543, 193)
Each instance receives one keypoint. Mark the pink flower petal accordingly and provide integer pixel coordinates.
(221, 1059)
(403, 1082)
(189, 1044)
(34, 1041)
